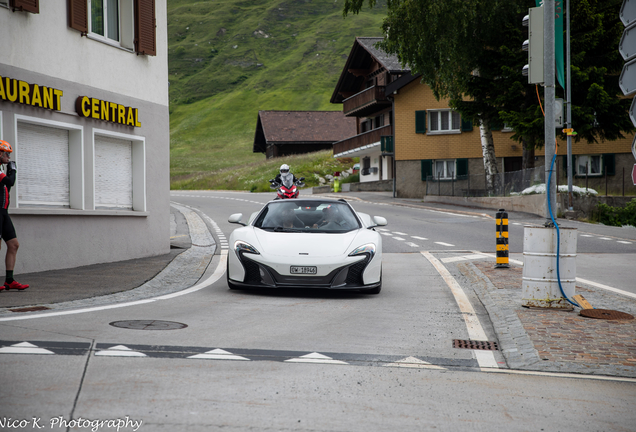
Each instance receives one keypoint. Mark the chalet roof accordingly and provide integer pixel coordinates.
(363, 54)
(301, 127)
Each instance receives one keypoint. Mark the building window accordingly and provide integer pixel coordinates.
(444, 121)
(444, 169)
(105, 18)
(130, 24)
(119, 171)
(589, 165)
(50, 157)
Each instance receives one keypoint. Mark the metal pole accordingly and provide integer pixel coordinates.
(569, 103)
(549, 77)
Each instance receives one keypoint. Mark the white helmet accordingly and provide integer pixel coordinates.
(284, 169)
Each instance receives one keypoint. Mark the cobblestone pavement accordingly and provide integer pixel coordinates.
(552, 340)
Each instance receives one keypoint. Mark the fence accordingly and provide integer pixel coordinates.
(514, 182)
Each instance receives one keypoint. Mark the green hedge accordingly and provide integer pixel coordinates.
(617, 216)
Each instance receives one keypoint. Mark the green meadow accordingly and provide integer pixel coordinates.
(228, 60)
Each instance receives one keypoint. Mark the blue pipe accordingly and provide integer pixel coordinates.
(558, 235)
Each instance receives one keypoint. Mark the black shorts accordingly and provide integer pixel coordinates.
(7, 231)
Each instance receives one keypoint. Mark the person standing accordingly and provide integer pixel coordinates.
(7, 231)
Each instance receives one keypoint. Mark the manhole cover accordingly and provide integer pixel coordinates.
(607, 314)
(475, 344)
(148, 325)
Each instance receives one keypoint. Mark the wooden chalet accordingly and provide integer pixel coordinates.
(361, 91)
(284, 133)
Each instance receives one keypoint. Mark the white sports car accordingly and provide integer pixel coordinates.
(308, 243)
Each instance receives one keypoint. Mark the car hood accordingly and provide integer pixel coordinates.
(313, 244)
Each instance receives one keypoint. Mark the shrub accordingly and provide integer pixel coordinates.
(617, 216)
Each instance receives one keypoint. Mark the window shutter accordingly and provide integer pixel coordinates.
(32, 6)
(427, 168)
(145, 23)
(78, 15)
(462, 167)
(113, 172)
(609, 162)
(43, 159)
(420, 122)
(467, 125)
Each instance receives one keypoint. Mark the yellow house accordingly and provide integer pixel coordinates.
(434, 145)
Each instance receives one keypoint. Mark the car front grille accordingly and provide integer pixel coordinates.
(354, 277)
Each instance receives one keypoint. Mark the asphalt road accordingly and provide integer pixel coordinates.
(303, 361)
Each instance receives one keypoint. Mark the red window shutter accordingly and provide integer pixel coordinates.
(145, 23)
(78, 15)
(32, 6)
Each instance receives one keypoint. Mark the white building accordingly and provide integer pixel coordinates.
(84, 103)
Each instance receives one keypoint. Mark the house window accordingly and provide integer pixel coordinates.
(129, 24)
(444, 169)
(379, 121)
(105, 18)
(588, 165)
(50, 158)
(444, 121)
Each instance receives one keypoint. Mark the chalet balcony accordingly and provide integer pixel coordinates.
(366, 102)
(361, 140)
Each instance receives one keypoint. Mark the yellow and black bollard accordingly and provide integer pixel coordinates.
(502, 239)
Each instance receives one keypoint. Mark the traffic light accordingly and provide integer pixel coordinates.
(534, 45)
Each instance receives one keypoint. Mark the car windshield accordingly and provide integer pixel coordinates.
(307, 216)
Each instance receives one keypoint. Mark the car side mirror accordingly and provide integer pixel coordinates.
(378, 221)
(236, 218)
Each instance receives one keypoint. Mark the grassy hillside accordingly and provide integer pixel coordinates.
(228, 59)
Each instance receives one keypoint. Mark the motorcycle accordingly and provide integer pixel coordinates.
(287, 190)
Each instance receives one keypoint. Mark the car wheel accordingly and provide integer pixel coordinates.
(230, 285)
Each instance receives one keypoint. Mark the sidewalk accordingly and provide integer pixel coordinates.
(530, 339)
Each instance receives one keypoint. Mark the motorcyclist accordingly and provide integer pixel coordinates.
(285, 177)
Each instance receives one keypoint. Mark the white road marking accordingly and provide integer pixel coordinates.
(386, 234)
(315, 358)
(412, 245)
(24, 348)
(399, 233)
(120, 351)
(444, 244)
(475, 330)
(382, 229)
(605, 238)
(586, 235)
(218, 354)
(398, 238)
(464, 258)
(623, 242)
(412, 362)
(419, 238)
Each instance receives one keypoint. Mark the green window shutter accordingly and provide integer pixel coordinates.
(420, 122)
(427, 168)
(467, 125)
(496, 125)
(462, 167)
(609, 162)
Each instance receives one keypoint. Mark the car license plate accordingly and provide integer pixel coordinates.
(303, 270)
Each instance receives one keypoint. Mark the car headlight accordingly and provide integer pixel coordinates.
(241, 246)
(365, 249)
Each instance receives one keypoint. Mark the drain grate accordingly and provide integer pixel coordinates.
(148, 325)
(475, 344)
(30, 309)
(607, 314)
